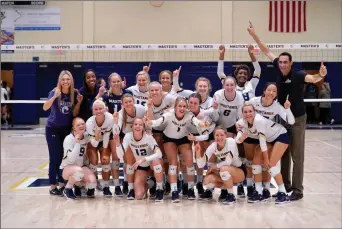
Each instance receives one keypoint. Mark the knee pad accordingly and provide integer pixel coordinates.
(115, 165)
(225, 175)
(248, 164)
(172, 170)
(93, 168)
(256, 169)
(157, 168)
(78, 176)
(129, 170)
(106, 168)
(275, 170)
(190, 171)
(91, 185)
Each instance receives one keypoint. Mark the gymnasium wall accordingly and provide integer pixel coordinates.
(201, 22)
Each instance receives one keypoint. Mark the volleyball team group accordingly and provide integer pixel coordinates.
(158, 128)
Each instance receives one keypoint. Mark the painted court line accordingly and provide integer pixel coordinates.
(336, 147)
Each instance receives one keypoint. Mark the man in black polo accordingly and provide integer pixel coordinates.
(291, 82)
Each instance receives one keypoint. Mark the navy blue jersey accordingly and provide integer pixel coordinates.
(112, 101)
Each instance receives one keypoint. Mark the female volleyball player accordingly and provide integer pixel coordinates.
(176, 124)
(74, 168)
(102, 122)
(266, 131)
(60, 102)
(227, 170)
(140, 90)
(142, 155)
(242, 73)
(267, 106)
(112, 99)
(160, 103)
(201, 136)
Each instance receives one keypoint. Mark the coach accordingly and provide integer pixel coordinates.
(290, 83)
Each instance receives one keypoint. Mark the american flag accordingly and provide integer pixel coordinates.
(287, 16)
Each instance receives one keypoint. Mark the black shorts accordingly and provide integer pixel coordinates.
(251, 141)
(283, 138)
(157, 131)
(243, 167)
(210, 138)
(144, 168)
(111, 136)
(232, 129)
(121, 135)
(178, 142)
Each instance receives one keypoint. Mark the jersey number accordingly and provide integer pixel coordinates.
(82, 151)
(226, 112)
(142, 103)
(142, 152)
(245, 96)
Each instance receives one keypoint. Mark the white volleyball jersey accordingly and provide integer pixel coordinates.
(205, 116)
(248, 90)
(157, 111)
(106, 128)
(74, 153)
(229, 155)
(175, 128)
(207, 103)
(229, 111)
(263, 129)
(270, 112)
(139, 97)
(139, 113)
(145, 147)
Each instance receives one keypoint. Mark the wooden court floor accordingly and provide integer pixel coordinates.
(25, 201)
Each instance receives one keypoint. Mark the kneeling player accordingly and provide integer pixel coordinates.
(73, 165)
(227, 170)
(143, 155)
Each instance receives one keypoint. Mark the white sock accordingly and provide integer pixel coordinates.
(258, 187)
(267, 185)
(105, 183)
(200, 178)
(68, 185)
(160, 186)
(281, 188)
(223, 187)
(116, 182)
(191, 185)
(174, 187)
(249, 182)
(185, 178)
(125, 177)
(130, 186)
(210, 186)
(230, 190)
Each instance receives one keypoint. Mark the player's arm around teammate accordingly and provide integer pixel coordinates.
(175, 138)
(74, 169)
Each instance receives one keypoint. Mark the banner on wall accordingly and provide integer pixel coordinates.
(42, 18)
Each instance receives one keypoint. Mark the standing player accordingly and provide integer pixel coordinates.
(267, 131)
(61, 101)
(74, 168)
(227, 170)
(112, 99)
(176, 124)
(142, 155)
(140, 90)
(242, 73)
(267, 106)
(99, 127)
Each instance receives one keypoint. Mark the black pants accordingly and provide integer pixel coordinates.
(310, 111)
(324, 115)
(55, 137)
